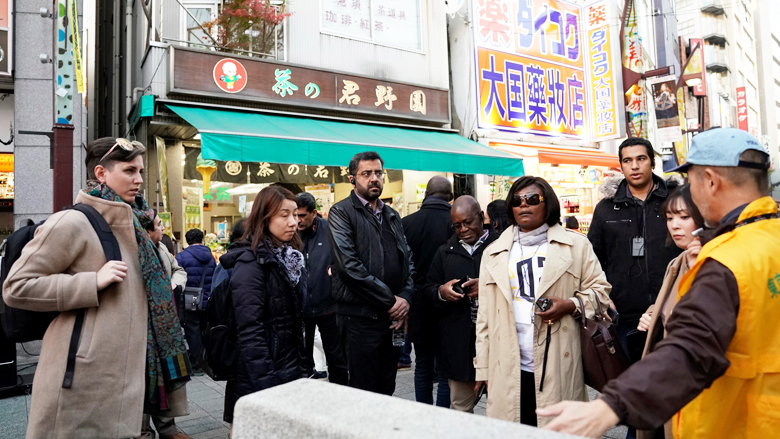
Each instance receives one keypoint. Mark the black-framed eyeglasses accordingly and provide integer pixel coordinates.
(467, 223)
(530, 199)
(367, 174)
(125, 144)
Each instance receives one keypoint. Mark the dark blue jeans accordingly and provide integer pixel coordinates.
(424, 375)
(406, 353)
(623, 329)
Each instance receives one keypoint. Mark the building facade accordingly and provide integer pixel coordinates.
(768, 53)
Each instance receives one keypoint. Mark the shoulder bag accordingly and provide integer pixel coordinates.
(193, 296)
(602, 355)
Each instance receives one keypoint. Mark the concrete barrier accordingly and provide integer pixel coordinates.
(316, 409)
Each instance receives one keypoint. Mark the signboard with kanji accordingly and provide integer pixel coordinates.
(531, 69)
(211, 74)
(395, 23)
(742, 114)
(605, 82)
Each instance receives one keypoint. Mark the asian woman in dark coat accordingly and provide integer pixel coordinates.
(267, 280)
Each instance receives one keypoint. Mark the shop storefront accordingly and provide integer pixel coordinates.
(271, 123)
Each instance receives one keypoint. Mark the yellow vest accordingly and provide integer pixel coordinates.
(745, 401)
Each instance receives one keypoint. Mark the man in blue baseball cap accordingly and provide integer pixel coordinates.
(717, 373)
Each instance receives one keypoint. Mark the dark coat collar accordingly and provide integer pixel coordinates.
(435, 203)
(661, 190)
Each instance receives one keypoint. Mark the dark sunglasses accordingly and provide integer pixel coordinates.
(530, 199)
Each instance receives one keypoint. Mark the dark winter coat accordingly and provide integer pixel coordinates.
(356, 243)
(457, 331)
(426, 230)
(268, 318)
(617, 219)
(194, 259)
(317, 299)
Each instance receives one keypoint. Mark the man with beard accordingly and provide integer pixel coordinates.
(374, 265)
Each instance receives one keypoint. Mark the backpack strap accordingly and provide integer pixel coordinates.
(203, 276)
(112, 253)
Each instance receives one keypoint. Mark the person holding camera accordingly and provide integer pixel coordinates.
(528, 341)
(453, 289)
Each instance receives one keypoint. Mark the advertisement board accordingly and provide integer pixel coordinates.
(742, 115)
(548, 67)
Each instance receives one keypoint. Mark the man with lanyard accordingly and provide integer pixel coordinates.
(628, 233)
(718, 368)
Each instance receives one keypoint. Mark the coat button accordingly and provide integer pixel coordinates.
(565, 355)
(565, 329)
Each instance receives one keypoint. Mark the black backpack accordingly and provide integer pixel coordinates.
(19, 325)
(219, 337)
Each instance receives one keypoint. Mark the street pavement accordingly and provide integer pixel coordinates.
(206, 400)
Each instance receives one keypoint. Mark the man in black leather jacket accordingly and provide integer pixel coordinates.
(374, 264)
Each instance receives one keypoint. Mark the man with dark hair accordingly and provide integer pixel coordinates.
(197, 260)
(319, 306)
(628, 234)
(426, 230)
(717, 367)
(374, 266)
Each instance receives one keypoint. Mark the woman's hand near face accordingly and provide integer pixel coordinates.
(559, 309)
(692, 252)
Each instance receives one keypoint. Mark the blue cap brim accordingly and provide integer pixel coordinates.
(682, 168)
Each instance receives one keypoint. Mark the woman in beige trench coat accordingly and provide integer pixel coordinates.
(63, 269)
(512, 330)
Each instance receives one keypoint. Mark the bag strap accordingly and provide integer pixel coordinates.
(112, 253)
(203, 276)
(582, 319)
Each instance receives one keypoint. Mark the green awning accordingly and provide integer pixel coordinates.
(255, 137)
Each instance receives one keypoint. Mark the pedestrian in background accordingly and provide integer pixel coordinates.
(267, 283)
(374, 266)
(199, 263)
(319, 306)
(628, 233)
(572, 224)
(131, 334)
(163, 420)
(426, 230)
(718, 365)
(496, 216)
(220, 273)
(457, 260)
(527, 357)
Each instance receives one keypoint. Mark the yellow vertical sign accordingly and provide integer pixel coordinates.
(76, 36)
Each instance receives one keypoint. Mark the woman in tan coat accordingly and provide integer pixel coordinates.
(125, 359)
(682, 219)
(533, 260)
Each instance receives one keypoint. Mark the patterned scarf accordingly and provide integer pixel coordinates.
(167, 363)
(290, 259)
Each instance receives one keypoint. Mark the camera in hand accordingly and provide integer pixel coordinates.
(458, 286)
(544, 304)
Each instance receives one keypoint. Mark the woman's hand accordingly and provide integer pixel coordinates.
(559, 309)
(644, 321)
(692, 252)
(112, 272)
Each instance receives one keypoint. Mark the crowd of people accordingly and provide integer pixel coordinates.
(490, 300)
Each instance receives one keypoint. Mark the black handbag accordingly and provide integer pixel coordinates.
(602, 355)
(193, 296)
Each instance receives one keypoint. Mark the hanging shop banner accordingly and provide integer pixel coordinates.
(165, 217)
(605, 81)
(695, 67)
(162, 167)
(667, 110)
(75, 36)
(191, 217)
(633, 59)
(530, 67)
(227, 172)
(213, 74)
(742, 115)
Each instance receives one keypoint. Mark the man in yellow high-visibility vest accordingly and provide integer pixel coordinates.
(717, 373)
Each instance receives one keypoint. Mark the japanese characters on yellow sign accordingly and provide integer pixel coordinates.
(546, 67)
